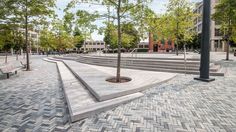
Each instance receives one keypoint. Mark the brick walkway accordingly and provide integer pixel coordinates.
(34, 101)
(182, 104)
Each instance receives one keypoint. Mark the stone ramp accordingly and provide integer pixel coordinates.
(81, 103)
(94, 77)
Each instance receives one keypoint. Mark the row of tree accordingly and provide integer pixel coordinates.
(18, 17)
(130, 22)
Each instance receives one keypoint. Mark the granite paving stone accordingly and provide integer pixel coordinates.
(34, 101)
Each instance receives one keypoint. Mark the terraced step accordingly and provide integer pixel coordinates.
(157, 69)
(169, 65)
(138, 58)
(166, 66)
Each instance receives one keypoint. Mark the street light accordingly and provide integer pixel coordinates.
(205, 43)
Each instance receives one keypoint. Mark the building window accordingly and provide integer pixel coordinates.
(218, 32)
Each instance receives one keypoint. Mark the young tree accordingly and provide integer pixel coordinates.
(122, 8)
(6, 39)
(64, 39)
(78, 38)
(85, 22)
(129, 34)
(225, 14)
(47, 40)
(180, 13)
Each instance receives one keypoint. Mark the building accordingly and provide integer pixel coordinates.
(143, 45)
(157, 45)
(33, 37)
(216, 43)
(93, 45)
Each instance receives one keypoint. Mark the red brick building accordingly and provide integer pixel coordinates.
(157, 45)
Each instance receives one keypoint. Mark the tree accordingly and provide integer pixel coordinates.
(78, 38)
(225, 14)
(64, 39)
(180, 13)
(84, 22)
(122, 8)
(28, 12)
(47, 40)
(6, 39)
(18, 42)
(140, 16)
(68, 22)
(130, 36)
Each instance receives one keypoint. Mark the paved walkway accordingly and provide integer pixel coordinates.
(34, 101)
(182, 104)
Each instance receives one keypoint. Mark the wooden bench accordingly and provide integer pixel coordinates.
(8, 69)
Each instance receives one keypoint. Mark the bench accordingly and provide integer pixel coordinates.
(8, 69)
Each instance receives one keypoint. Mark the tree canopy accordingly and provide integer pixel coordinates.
(225, 15)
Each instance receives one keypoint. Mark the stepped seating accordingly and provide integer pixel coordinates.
(174, 65)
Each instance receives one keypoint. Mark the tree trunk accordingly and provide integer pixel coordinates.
(6, 57)
(177, 40)
(227, 50)
(26, 38)
(17, 54)
(228, 43)
(119, 42)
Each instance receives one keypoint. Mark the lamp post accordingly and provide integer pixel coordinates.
(205, 43)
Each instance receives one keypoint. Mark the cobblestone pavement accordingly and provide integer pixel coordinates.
(182, 104)
(34, 101)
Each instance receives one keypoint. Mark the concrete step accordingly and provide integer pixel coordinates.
(145, 58)
(130, 64)
(141, 60)
(196, 72)
(176, 66)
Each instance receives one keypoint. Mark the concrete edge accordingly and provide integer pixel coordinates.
(94, 93)
(87, 111)
(64, 92)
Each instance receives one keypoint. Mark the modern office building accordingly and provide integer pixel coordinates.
(217, 43)
(93, 45)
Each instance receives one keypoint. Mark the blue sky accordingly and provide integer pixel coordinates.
(159, 6)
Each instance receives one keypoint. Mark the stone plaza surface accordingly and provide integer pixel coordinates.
(34, 101)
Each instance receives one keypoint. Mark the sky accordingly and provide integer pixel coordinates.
(159, 6)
